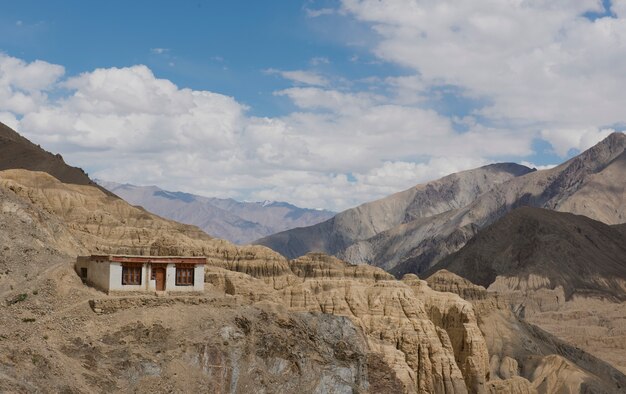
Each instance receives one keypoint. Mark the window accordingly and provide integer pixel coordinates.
(184, 274)
(131, 274)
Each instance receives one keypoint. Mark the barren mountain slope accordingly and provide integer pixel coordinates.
(311, 324)
(404, 240)
(552, 189)
(102, 223)
(239, 222)
(365, 221)
(565, 273)
(18, 152)
(549, 248)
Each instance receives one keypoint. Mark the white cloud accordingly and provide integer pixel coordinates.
(538, 167)
(531, 69)
(300, 76)
(127, 125)
(538, 63)
(23, 85)
(562, 140)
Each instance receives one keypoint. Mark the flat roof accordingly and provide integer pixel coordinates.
(120, 258)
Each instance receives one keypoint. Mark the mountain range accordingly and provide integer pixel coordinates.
(411, 231)
(316, 323)
(238, 222)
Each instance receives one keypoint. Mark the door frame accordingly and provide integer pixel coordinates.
(158, 270)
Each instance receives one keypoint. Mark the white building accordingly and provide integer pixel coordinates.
(121, 273)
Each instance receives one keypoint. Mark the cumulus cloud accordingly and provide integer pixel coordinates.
(565, 139)
(540, 63)
(23, 85)
(341, 149)
(317, 60)
(528, 71)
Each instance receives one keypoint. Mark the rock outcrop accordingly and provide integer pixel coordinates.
(525, 358)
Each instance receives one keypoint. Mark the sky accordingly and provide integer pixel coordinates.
(323, 104)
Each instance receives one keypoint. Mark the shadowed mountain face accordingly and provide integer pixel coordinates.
(411, 231)
(16, 152)
(584, 256)
(239, 222)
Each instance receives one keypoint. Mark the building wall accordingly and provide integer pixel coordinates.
(98, 274)
(107, 276)
(198, 279)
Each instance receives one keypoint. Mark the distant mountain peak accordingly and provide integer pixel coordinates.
(239, 222)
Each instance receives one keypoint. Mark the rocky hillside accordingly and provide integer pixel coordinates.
(388, 234)
(364, 222)
(238, 222)
(533, 248)
(564, 272)
(266, 324)
(18, 152)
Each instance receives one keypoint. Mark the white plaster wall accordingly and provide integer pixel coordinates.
(170, 277)
(150, 283)
(198, 279)
(115, 279)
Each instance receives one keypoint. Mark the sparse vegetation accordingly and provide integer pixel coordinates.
(29, 320)
(35, 292)
(17, 298)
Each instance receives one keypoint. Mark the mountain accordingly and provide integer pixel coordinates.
(412, 230)
(582, 255)
(263, 324)
(565, 273)
(238, 222)
(18, 152)
(348, 228)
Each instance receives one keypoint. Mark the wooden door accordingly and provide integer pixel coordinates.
(160, 278)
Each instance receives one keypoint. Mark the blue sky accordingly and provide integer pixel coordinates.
(324, 104)
(221, 46)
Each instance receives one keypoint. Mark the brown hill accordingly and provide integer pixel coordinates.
(16, 152)
(584, 256)
(315, 323)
